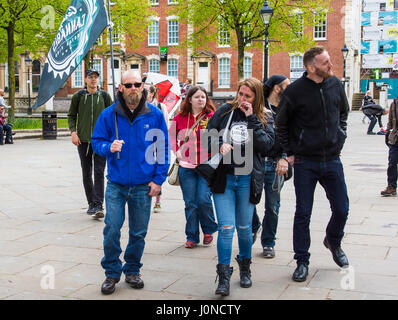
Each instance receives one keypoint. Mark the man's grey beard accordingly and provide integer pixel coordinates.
(132, 99)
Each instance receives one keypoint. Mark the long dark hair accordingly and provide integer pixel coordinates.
(186, 105)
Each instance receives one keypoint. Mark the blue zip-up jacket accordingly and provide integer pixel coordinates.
(138, 163)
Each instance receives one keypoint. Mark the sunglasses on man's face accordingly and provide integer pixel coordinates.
(129, 85)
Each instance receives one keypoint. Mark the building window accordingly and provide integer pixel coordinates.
(78, 76)
(246, 33)
(16, 76)
(97, 65)
(172, 32)
(296, 67)
(224, 72)
(172, 68)
(224, 37)
(299, 24)
(153, 33)
(296, 62)
(154, 66)
(99, 40)
(320, 26)
(154, 2)
(247, 67)
(115, 37)
(36, 70)
(172, 2)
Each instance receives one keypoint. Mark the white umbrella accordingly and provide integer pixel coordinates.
(171, 91)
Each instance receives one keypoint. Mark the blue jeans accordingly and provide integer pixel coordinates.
(233, 209)
(8, 130)
(331, 177)
(139, 209)
(272, 204)
(392, 175)
(198, 204)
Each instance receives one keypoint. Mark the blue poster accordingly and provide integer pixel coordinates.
(392, 86)
(389, 46)
(387, 17)
(365, 19)
(365, 47)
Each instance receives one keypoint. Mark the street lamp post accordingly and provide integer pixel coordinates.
(28, 62)
(344, 52)
(266, 13)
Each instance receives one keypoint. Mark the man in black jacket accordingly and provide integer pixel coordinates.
(311, 127)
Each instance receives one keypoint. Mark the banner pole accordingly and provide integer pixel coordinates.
(110, 26)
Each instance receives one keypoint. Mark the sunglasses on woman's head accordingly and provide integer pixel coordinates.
(129, 85)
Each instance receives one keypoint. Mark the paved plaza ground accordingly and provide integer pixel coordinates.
(44, 229)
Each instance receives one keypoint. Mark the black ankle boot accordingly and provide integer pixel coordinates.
(245, 273)
(224, 272)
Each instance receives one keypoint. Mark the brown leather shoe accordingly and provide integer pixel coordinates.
(389, 191)
(108, 286)
(135, 281)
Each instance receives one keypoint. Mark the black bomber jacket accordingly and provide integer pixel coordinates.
(312, 119)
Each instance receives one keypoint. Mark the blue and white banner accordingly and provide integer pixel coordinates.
(365, 47)
(389, 46)
(387, 17)
(83, 23)
(366, 19)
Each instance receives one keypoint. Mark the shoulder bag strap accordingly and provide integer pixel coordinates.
(225, 135)
(188, 133)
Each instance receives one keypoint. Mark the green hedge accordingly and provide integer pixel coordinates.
(33, 123)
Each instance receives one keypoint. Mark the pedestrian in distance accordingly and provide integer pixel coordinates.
(392, 143)
(186, 87)
(5, 127)
(85, 108)
(275, 165)
(152, 98)
(374, 112)
(132, 135)
(2, 102)
(185, 136)
(367, 99)
(239, 179)
(311, 126)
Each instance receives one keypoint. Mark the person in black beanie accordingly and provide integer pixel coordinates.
(275, 165)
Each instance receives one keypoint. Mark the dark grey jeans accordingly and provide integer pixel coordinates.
(94, 189)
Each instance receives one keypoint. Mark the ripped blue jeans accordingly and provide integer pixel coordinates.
(234, 210)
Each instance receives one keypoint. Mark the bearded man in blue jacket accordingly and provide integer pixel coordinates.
(132, 135)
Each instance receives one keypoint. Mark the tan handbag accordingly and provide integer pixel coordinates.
(172, 177)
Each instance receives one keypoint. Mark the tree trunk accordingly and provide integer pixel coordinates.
(11, 72)
(241, 53)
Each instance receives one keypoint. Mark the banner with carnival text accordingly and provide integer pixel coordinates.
(83, 23)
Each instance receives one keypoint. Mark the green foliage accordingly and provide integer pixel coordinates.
(130, 21)
(242, 18)
(21, 29)
(27, 20)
